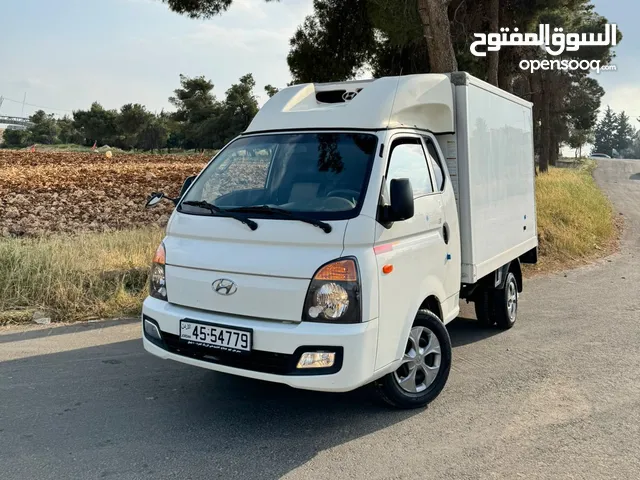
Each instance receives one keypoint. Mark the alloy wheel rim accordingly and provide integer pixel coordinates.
(512, 300)
(421, 361)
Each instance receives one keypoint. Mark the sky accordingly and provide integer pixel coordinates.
(65, 54)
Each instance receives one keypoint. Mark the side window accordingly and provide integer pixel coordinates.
(407, 160)
(435, 163)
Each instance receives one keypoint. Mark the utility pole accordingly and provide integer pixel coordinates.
(1, 100)
(23, 102)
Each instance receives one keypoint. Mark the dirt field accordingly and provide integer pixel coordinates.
(73, 192)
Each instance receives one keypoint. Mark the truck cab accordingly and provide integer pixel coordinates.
(322, 248)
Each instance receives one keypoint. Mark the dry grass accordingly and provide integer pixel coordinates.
(88, 275)
(575, 219)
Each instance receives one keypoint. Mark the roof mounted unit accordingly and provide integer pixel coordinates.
(420, 101)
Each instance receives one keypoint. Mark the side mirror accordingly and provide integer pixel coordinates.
(154, 199)
(401, 194)
(185, 186)
(401, 207)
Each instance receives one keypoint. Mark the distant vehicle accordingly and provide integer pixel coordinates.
(599, 155)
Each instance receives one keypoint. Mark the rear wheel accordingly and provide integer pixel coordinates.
(425, 365)
(505, 303)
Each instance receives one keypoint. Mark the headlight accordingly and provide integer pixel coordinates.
(157, 280)
(334, 294)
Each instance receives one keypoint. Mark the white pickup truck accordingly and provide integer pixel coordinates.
(328, 245)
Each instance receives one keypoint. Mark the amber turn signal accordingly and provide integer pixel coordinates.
(387, 269)
(341, 271)
(160, 256)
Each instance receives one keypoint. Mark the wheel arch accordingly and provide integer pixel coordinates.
(433, 304)
(516, 269)
(430, 302)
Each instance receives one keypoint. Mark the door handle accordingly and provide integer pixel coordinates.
(445, 233)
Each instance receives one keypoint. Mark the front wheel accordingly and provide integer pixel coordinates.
(425, 365)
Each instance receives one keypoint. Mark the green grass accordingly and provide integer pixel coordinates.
(89, 275)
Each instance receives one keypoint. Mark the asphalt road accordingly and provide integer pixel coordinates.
(558, 396)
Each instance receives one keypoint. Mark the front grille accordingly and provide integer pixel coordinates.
(256, 360)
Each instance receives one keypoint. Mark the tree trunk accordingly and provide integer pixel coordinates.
(545, 133)
(504, 77)
(535, 85)
(553, 149)
(435, 25)
(494, 57)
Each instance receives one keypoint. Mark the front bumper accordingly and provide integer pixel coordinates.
(276, 348)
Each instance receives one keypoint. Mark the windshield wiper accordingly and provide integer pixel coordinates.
(284, 213)
(223, 212)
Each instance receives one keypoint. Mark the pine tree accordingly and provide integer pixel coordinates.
(606, 132)
(625, 133)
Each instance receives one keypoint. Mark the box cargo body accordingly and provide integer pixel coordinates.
(491, 164)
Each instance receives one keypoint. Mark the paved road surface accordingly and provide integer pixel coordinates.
(556, 397)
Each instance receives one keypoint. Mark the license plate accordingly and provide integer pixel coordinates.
(215, 336)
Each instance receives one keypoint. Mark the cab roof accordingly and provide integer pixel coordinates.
(422, 101)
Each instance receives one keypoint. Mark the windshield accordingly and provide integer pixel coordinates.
(322, 175)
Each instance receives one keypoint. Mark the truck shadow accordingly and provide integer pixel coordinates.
(144, 417)
(127, 414)
(465, 330)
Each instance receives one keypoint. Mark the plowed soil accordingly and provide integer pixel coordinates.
(46, 192)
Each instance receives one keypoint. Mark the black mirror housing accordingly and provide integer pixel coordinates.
(401, 206)
(401, 193)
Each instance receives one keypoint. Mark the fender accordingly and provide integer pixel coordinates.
(430, 286)
(499, 277)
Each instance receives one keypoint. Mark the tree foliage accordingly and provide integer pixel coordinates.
(15, 138)
(199, 122)
(202, 121)
(334, 43)
(624, 135)
(392, 37)
(615, 136)
(200, 8)
(270, 90)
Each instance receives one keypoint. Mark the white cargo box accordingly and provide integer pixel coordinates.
(490, 160)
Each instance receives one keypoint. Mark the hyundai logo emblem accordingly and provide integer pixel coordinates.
(224, 286)
(346, 96)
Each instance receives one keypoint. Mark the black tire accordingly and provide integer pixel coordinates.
(389, 388)
(485, 308)
(505, 303)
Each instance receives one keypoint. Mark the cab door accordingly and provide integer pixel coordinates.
(414, 249)
(450, 229)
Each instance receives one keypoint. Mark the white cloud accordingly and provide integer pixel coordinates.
(250, 39)
(624, 97)
(30, 82)
(249, 8)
